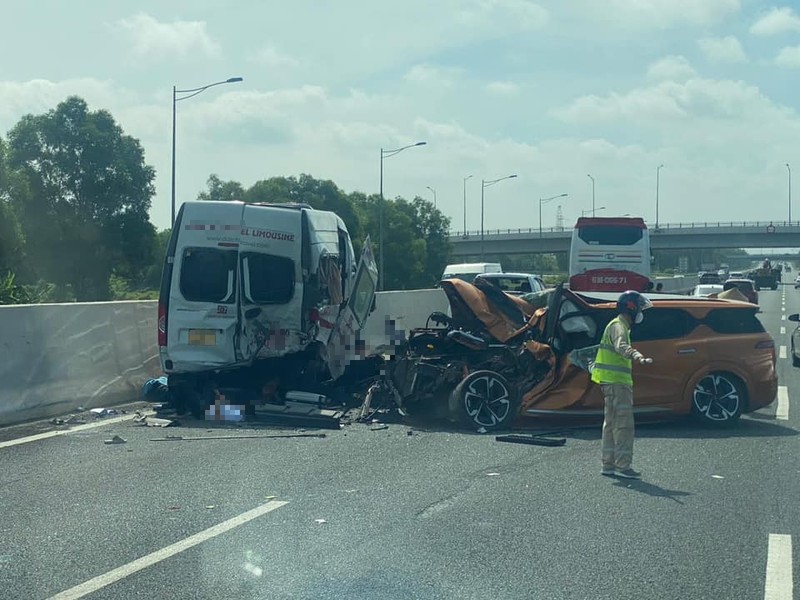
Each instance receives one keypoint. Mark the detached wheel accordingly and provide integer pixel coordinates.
(718, 399)
(484, 399)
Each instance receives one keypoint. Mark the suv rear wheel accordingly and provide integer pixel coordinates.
(484, 399)
(718, 399)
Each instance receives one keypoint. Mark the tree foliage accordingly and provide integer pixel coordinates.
(416, 246)
(85, 207)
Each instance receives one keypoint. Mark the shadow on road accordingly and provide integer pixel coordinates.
(651, 489)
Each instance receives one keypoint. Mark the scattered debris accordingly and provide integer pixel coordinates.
(70, 420)
(379, 428)
(320, 521)
(482, 430)
(173, 508)
(210, 506)
(180, 438)
(409, 432)
(271, 497)
(717, 477)
(103, 412)
(492, 474)
(156, 422)
(116, 440)
(535, 440)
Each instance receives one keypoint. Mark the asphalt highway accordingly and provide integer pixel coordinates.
(378, 513)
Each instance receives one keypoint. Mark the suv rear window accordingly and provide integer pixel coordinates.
(734, 320)
(663, 324)
(270, 279)
(742, 285)
(208, 275)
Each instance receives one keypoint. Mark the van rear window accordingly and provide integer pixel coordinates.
(734, 320)
(270, 279)
(208, 275)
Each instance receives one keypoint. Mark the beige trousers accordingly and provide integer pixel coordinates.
(617, 444)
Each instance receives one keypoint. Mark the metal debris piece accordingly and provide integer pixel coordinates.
(482, 430)
(115, 440)
(379, 428)
(156, 422)
(210, 506)
(180, 438)
(320, 521)
(717, 477)
(531, 439)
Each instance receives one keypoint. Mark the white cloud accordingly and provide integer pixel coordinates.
(503, 88)
(271, 57)
(726, 49)
(789, 57)
(776, 21)
(670, 68)
(180, 38)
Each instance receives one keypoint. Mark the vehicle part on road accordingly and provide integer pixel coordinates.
(718, 398)
(484, 398)
(534, 440)
(154, 422)
(180, 438)
(115, 440)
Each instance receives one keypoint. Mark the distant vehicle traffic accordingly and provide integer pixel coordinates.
(468, 271)
(797, 282)
(514, 283)
(610, 254)
(705, 290)
(709, 278)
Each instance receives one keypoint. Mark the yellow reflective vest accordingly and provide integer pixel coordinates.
(609, 366)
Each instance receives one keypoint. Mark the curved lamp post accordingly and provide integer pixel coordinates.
(191, 93)
(387, 154)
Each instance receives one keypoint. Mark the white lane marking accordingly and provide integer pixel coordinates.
(101, 581)
(783, 317)
(49, 434)
(779, 584)
(782, 411)
(782, 352)
(783, 329)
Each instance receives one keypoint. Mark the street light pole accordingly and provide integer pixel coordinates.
(386, 154)
(465, 204)
(592, 178)
(192, 92)
(789, 169)
(484, 185)
(586, 212)
(434, 195)
(545, 201)
(658, 171)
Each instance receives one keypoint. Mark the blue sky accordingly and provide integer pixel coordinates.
(550, 91)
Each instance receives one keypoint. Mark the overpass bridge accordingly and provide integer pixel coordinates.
(668, 236)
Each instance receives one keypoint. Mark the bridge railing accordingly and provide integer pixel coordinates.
(662, 227)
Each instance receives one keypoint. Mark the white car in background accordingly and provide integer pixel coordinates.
(706, 289)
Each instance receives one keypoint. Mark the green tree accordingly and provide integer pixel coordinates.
(221, 190)
(90, 192)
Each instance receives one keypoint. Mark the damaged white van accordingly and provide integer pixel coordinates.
(259, 297)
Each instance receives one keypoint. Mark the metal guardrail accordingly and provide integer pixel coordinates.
(653, 229)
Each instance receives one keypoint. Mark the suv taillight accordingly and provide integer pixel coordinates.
(768, 345)
(162, 325)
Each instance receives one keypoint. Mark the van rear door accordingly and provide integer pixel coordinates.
(203, 287)
(271, 276)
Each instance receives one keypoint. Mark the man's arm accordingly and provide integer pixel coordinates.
(620, 342)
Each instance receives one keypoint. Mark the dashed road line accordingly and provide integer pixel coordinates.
(782, 352)
(106, 579)
(779, 583)
(783, 317)
(783, 329)
(782, 411)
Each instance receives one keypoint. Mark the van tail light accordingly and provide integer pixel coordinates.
(162, 325)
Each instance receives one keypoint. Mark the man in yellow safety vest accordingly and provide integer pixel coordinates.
(612, 370)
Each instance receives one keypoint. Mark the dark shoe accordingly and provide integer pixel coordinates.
(628, 473)
(607, 472)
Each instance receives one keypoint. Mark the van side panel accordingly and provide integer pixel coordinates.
(202, 316)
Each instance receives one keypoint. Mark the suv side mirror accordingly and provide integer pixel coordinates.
(795, 317)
